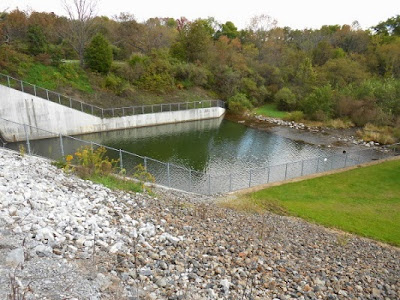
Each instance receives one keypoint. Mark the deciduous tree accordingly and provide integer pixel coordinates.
(79, 30)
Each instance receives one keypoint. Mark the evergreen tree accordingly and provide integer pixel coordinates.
(98, 56)
(36, 40)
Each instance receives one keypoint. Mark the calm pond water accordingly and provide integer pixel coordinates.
(215, 146)
(209, 156)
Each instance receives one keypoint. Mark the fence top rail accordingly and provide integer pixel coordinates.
(218, 103)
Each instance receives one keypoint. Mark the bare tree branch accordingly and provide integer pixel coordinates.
(79, 31)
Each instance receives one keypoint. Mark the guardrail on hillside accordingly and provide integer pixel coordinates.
(185, 179)
(52, 96)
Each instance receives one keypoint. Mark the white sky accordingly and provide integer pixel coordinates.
(299, 14)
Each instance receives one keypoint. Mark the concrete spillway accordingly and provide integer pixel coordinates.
(37, 112)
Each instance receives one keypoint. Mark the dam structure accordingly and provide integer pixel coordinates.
(24, 103)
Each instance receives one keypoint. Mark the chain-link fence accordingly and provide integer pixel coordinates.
(52, 96)
(181, 178)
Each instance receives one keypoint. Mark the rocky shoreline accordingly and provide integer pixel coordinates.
(301, 126)
(320, 136)
(65, 238)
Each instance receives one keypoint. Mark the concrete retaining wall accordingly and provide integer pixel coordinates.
(40, 113)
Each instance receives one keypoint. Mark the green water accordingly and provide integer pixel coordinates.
(218, 146)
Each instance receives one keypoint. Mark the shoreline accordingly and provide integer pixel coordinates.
(320, 137)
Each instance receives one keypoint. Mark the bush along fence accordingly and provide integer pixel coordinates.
(181, 178)
(52, 96)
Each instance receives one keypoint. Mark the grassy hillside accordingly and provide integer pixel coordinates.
(102, 90)
(365, 201)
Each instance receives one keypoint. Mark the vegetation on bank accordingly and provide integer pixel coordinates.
(93, 164)
(335, 72)
(270, 110)
(364, 201)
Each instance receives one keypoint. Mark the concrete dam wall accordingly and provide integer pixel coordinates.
(41, 113)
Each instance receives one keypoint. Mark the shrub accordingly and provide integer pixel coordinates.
(93, 162)
(380, 134)
(161, 82)
(114, 84)
(295, 116)
(36, 40)
(140, 174)
(285, 99)
(191, 74)
(319, 104)
(43, 58)
(56, 55)
(98, 55)
(340, 123)
(239, 103)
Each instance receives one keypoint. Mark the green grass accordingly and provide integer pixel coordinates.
(270, 110)
(115, 183)
(364, 201)
(53, 78)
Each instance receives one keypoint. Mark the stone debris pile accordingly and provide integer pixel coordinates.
(65, 238)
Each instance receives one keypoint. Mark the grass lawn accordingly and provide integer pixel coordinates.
(270, 110)
(364, 201)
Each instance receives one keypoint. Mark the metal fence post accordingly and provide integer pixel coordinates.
(168, 174)
(92, 108)
(102, 113)
(123, 111)
(121, 165)
(286, 171)
(70, 102)
(59, 98)
(22, 86)
(209, 183)
(34, 89)
(28, 144)
(302, 167)
(62, 146)
(81, 106)
(170, 107)
(152, 108)
(250, 178)
(230, 182)
(113, 113)
(142, 109)
(8, 81)
(190, 180)
(47, 94)
(145, 163)
(268, 174)
(318, 165)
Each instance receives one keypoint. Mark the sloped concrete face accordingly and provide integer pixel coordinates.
(53, 118)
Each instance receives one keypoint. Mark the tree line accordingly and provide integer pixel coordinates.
(336, 71)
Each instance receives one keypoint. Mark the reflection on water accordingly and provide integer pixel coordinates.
(227, 156)
(215, 145)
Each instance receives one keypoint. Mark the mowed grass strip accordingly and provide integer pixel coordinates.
(270, 110)
(364, 201)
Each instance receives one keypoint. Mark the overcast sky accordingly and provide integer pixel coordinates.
(299, 14)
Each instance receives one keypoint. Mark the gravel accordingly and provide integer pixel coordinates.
(65, 238)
